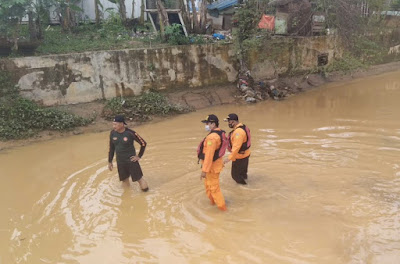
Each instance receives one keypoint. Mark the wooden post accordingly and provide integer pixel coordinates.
(152, 22)
(183, 23)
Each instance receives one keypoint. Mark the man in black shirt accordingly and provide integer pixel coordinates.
(121, 142)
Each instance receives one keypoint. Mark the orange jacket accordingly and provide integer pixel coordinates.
(211, 144)
(238, 137)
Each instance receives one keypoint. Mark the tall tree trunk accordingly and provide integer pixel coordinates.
(39, 27)
(97, 11)
(68, 20)
(133, 9)
(32, 27)
(142, 6)
(190, 18)
(163, 17)
(122, 11)
(203, 17)
(16, 35)
(39, 13)
(196, 27)
(66, 17)
(185, 15)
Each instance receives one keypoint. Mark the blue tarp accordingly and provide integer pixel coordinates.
(222, 4)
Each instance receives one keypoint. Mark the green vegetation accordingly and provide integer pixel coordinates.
(174, 35)
(141, 107)
(108, 36)
(396, 5)
(22, 118)
(365, 37)
(347, 63)
(111, 34)
(89, 37)
(74, 34)
(245, 33)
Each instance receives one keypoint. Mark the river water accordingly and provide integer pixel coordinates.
(324, 187)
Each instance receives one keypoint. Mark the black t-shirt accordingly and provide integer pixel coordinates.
(122, 144)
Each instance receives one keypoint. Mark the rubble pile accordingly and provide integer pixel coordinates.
(277, 89)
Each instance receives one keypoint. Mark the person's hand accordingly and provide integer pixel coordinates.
(226, 160)
(202, 175)
(110, 166)
(135, 158)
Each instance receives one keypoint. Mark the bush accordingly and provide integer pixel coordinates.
(371, 52)
(198, 39)
(175, 36)
(113, 23)
(21, 118)
(141, 107)
(346, 64)
(7, 89)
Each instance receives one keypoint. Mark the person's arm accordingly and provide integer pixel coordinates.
(237, 139)
(111, 152)
(142, 143)
(210, 145)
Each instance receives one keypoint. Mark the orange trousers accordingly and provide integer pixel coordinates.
(213, 191)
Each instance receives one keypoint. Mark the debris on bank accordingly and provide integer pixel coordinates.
(253, 91)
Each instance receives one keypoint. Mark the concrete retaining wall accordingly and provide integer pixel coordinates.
(284, 55)
(89, 76)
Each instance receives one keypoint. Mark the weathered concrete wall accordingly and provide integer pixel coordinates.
(85, 77)
(283, 55)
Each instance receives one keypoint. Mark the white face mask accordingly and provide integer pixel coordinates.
(207, 127)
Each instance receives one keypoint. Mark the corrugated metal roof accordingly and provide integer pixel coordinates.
(222, 4)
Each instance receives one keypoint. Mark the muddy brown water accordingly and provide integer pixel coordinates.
(324, 187)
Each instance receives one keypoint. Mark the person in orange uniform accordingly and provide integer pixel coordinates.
(212, 162)
(239, 145)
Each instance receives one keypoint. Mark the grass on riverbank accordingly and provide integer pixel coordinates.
(89, 37)
(22, 118)
(111, 34)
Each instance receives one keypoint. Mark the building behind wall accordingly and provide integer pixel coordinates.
(221, 13)
(293, 17)
(88, 10)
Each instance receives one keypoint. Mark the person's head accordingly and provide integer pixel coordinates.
(232, 120)
(119, 123)
(211, 122)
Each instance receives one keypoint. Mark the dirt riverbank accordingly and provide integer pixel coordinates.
(199, 99)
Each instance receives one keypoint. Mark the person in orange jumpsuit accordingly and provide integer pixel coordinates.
(212, 163)
(239, 144)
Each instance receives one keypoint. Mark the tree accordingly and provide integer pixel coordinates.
(66, 10)
(142, 13)
(11, 14)
(121, 9)
(133, 9)
(185, 14)
(32, 26)
(396, 5)
(42, 16)
(97, 6)
(203, 16)
(195, 20)
(163, 17)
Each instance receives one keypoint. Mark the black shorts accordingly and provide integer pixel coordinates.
(130, 169)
